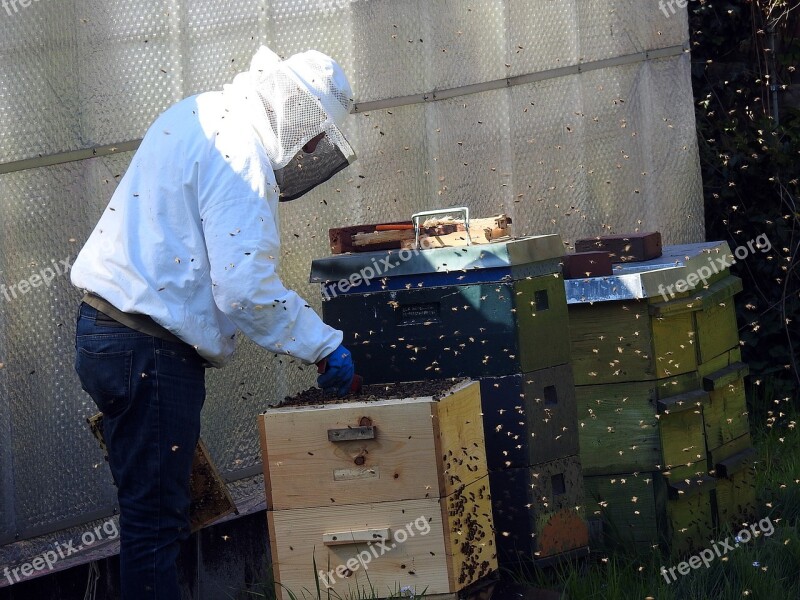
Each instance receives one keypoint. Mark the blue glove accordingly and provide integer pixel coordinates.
(337, 372)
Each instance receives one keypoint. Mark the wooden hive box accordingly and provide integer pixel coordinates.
(538, 511)
(529, 418)
(475, 311)
(642, 426)
(397, 476)
(649, 509)
(662, 425)
(733, 464)
(647, 339)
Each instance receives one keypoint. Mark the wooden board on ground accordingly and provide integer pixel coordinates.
(211, 499)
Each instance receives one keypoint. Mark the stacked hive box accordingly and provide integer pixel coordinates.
(495, 312)
(379, 495)
(664, 431)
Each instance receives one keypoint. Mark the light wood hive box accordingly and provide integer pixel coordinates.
(367, 478)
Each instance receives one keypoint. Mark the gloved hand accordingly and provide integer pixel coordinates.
(337, 372)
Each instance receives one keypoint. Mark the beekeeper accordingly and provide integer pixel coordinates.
(186, 254)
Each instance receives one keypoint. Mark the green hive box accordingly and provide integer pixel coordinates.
(660, 391)
(648, 509)
(487, 310)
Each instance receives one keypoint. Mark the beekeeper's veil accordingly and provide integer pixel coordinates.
(303, 96)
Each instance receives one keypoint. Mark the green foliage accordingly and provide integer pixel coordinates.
(751, 171)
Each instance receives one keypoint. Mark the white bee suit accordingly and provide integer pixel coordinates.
(190, 236)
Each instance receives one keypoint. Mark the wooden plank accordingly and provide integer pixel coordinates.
(630, 508)
(341, 238)
(611, 342)
(725, 377)
(580, 265)
(720, 362)
(419, 560)
(690, 486)
(674, 341)
(540, 307)
(633, 247)
(692, 400)
(721, 291)
(683, 443)
(728, 466)
(369, 240)
(724, 452)
(306, 470)
(459, 438)
(717, 330)
(538, 510)
(469, 533)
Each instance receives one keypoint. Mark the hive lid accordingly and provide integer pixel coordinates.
(651, 278)
(399, 263)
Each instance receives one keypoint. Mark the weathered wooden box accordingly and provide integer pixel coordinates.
(489, 310)
(529, 418)
(346, 478)
(733, 464)
(647, 339)
(538, 511)
(650, 509)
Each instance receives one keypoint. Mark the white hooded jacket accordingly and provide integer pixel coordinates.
(190, 236)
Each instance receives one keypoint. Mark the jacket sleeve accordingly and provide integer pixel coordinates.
(243, 246)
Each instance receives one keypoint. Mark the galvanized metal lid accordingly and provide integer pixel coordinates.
(685, 266)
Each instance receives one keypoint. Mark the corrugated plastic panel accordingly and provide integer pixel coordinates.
(390, 60)
(550, 191)
(58, 468)
(467, 42)
(675, 203)
(543, 35)
(470, 153)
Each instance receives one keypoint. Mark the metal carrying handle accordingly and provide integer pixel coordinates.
(444, 211)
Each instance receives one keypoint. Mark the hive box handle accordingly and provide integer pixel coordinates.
(349, 434)
(343, 538)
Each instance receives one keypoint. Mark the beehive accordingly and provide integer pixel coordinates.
(472, 311)
(496, 313)
(539, 510)
(349, 477)
(649, 509)
(659, 384)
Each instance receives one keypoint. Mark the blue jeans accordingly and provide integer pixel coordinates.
(151, 392)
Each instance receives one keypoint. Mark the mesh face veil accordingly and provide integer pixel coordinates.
(302, 97)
